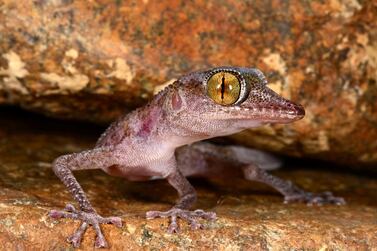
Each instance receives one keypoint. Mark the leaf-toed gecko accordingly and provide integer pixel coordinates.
(157, 141)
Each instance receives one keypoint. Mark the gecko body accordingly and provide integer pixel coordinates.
(159, 139)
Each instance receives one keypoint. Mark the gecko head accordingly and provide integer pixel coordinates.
(230, 99)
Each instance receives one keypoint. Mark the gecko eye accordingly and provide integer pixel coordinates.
(224, 88)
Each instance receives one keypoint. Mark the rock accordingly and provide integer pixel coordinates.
(94, 61)
(250, 216)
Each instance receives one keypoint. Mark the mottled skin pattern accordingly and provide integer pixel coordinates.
(142, 145)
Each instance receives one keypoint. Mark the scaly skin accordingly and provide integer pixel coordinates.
(142, 145)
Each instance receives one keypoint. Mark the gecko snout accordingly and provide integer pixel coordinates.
(282, 109)
(295, 110)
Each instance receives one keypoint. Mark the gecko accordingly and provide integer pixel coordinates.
(161, 140)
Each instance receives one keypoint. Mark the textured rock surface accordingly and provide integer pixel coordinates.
(94, 60)
(251, 216)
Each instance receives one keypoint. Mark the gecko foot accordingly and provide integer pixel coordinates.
(87, 219)
(314, 199)
(190, 216)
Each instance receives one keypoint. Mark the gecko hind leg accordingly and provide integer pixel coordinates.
(63, 167)
(253, 164)
(291, 192)
(181, 210)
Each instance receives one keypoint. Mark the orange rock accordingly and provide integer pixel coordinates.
(94, 60)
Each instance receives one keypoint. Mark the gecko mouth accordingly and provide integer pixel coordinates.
(281, 114)
(286, 113)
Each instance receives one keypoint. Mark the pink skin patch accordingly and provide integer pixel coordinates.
(149, 122)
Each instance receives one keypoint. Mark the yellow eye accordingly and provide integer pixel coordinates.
(224, 88)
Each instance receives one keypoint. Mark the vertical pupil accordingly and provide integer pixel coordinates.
(222, 87)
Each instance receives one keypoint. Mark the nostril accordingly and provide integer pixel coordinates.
(295, 109)
(299, 110)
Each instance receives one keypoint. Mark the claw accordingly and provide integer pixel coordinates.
(173, 227)
(100, 239)
(70, 208)
(54, 214)
(115, 221)
(195, 225)
(100, 242)
(189, 216)
(340, 201)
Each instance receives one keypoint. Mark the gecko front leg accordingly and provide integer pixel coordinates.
(187, 197)
(63, 167)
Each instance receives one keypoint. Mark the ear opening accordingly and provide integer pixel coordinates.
(176, 100)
